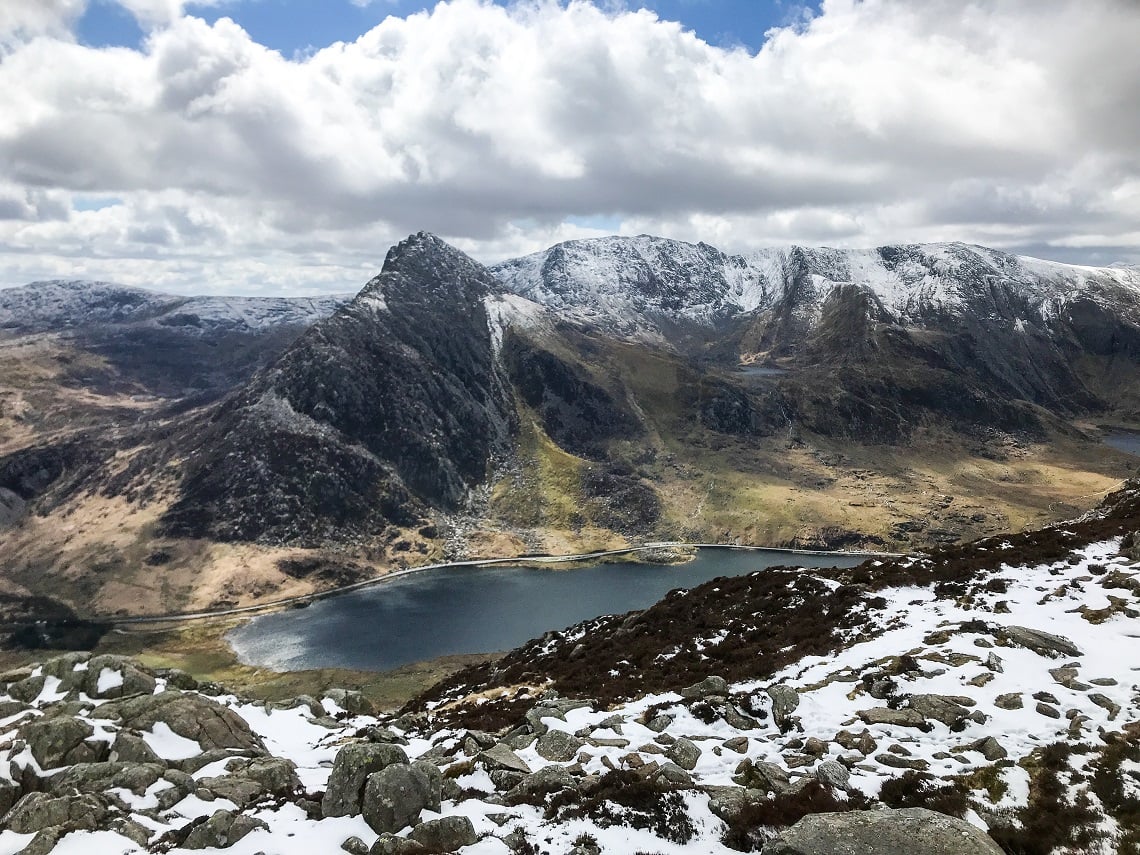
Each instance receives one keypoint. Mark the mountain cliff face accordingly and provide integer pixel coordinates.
(959, 329)
(394, 401)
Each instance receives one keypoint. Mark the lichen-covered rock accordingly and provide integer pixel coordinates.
(222, 830)
(901, 718)
(913, 831)
(100, 777)
(351, 768)
(944, 708)
(536, 785)
(558, 746)
(502, 757)
(395, 796)
(351, 701)
(785, 701)
(446, 834)
(115, 677)
(27, 689)
(39, 811)
(191, 716)
(708, 687)
(674, 775)
(762, 776)
(684, 753)
(129, 748)
(62, 741)
(833, 774)
(1044, 643)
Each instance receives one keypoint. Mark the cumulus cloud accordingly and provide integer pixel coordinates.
(501, 128)
(22, 19)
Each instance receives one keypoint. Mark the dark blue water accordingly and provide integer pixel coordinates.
(1126, 442)
(478, 610)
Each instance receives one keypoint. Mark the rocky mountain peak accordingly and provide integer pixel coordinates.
(423, 268)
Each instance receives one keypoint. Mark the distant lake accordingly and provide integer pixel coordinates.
(1122, 441)
(479, 610)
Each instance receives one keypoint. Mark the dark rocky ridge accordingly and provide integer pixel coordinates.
(394, 403)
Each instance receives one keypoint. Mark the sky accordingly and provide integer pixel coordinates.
(281, 146)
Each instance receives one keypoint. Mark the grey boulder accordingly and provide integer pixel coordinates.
(913, 831)
(558, 746)
(708, 687)
(191, 716)
(394, 796)
(222, 830)
(39, 811)
(785, 701)
(445, 835)
(62, 741)
(1044, 643)
(351, 768)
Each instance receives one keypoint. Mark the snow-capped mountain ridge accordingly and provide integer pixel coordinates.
(57, 304)
(628, 285)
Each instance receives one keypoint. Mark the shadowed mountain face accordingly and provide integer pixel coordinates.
(394, 402)
(885, 334)
(161, 344)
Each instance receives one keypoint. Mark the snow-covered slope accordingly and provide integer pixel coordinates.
(56, 305)
(630, 286)
(992, 683)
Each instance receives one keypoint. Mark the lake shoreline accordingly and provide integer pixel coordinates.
(418, 616)
(300, 600)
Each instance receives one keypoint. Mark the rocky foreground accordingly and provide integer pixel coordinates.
(977, 701)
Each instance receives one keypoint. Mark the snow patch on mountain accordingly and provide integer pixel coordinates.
(629, 286)
(63, 304)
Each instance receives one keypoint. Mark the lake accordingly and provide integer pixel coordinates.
(1126, 442)
(479, 610)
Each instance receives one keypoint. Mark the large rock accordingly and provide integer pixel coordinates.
(502, 757)
(191, 716)
(37, 811)
(913, 831)
(115, 677)
(353, 764)
(762, 776)
(128, 748)
(27, 689)
(684, 753)
(222, 830)
(944, 708)
(394, 796)
(832, 773)
(708, 687)
(558, 746)
(61, 741)
(100, 777)
(276, 775)
(10, 793)
(1044, 643)
(445, 835)
(537, 785)
(785, 700)
(900, 718)
(351, 701)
